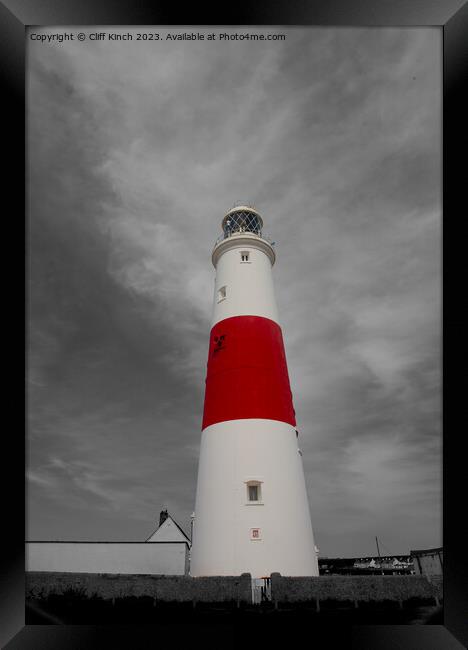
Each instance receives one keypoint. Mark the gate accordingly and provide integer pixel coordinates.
(261, 590)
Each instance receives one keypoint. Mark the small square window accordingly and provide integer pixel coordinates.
(221, 293)
(244, 256)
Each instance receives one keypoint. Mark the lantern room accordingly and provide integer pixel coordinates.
(242, 219)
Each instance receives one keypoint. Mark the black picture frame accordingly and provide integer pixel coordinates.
(452, 17)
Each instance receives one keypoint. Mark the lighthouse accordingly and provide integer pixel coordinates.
(251, 508)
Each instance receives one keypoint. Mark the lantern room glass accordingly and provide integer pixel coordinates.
(242, 221)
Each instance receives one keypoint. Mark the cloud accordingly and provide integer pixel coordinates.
(134, 156)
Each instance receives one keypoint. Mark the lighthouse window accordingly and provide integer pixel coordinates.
(244, 256)
(221, 294)
(254, 492)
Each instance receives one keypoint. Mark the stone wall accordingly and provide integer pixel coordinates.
(354, 588)
(159, 587)
(237, 589)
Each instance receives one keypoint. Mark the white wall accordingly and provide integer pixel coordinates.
(249, 285)
(430, 564)
(107, 557)
(233, 453)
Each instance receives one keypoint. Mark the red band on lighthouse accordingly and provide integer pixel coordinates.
(247, 374)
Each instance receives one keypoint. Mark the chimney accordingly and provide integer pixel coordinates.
(163, 516)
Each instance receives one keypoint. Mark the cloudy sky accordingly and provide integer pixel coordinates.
(136, 150)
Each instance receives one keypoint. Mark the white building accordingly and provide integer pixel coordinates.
(165, 552)
(428, 561)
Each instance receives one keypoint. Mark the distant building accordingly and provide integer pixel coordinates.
(387, 565)
(429, 561)
(165, 552)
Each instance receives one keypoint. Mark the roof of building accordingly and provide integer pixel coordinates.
(168, 523)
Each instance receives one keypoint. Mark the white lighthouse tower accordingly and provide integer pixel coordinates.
(251, 512)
